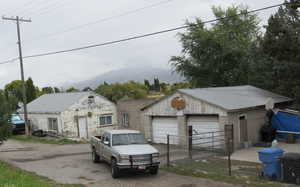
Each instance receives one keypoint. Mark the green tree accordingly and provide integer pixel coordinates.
(220, 54)
(6, 107)
(47, 90)
(86, 89)
(30, 90)
(56, 90)
(147, 84)
(14, 89)
(281, 47)
(156, 85)
(72, 89)
(117, 91)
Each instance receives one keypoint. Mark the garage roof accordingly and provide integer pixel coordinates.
(232, 98)
(236, 97)
(55, 103)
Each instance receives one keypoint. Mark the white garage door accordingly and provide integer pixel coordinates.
(162, 126)
(203, 126)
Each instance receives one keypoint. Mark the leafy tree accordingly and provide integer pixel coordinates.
(47, 90)
(218, 55)
(117, 91)
(5, 110)
(147, 84)
(72, 89)
(281, 47)
(177, 86)
(30, 90)
(156, 85)
(86, 89)
(14, 88)
(56, 90)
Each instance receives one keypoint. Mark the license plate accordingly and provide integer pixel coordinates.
(142, 167)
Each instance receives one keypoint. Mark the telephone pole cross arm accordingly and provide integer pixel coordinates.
(18, 20)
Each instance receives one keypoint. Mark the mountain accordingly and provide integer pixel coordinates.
(127, 74)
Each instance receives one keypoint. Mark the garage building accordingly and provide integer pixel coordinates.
(208, 110)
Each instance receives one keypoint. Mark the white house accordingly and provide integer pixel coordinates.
(75, 114)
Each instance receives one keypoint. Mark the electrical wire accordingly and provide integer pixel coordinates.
(99, 21)
(140, 36)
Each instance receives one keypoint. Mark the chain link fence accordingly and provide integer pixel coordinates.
(200, 146)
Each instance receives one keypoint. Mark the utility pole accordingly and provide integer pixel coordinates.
(18, 20)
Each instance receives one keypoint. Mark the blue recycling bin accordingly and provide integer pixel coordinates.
(270, 158)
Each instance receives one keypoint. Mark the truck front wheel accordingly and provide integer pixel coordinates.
(95, 156)
(115, 172)
(154, 170)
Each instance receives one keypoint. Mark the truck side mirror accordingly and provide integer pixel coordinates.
(106, 142)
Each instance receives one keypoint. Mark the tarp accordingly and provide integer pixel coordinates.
(286, 122)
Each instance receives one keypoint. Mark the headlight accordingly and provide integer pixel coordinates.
(155, 157)
(124, 158)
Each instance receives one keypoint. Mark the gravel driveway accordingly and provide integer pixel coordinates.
(72, 164)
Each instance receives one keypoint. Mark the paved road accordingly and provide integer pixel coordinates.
(72, 164)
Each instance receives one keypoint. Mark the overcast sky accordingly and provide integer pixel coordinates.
(51, 18)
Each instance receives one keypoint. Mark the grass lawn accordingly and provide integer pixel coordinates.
(244, 173)
(45, 140)
(14, 177)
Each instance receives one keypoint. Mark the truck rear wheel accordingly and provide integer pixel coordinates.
(115, 172)
(95, 156)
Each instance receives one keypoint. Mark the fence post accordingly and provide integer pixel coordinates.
(190, 143)
(213, 139)
(168, 150)
(229, 145)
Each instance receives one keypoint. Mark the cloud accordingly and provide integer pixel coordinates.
(53, 16)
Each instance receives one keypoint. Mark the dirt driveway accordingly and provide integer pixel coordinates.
(72, 164)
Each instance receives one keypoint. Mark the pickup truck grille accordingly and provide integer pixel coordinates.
(141, 158)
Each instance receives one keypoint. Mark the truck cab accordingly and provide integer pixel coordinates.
(123, 150)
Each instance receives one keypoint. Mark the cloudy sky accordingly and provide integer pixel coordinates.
(63, 24)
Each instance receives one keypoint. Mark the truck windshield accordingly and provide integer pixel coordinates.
(15, 118)
(127, 139)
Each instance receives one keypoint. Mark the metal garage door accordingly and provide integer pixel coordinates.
(162, 126)
(205, 129)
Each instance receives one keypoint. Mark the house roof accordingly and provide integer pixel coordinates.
(235, 97)
(54, 103)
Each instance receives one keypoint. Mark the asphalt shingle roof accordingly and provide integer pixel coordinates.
(236, 97)
(52, 103)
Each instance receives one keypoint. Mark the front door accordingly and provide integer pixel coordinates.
(243, 129)
(83, 129)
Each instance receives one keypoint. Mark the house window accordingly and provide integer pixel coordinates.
(125, 119)
(52, 124)
(106, 120)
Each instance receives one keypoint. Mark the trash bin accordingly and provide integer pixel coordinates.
(291, 168)
(270, 158)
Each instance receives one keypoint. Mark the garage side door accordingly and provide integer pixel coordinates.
(203, 126)
(162, 126)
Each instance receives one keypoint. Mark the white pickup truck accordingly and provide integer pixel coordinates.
(125, 149)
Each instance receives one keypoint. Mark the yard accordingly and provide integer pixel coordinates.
(243, 173)
(11, 177)
(45, 140)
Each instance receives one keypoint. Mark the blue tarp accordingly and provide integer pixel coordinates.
(286, 122)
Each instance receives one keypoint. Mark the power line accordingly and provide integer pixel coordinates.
(144, 35)
(101, 20)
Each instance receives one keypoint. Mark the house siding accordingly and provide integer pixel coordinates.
(255, 120)
(133, 108)
(67, 120)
